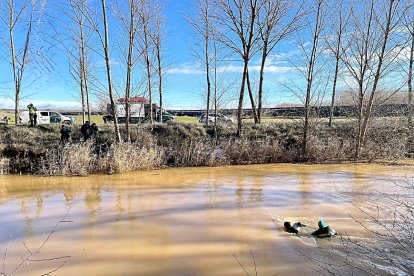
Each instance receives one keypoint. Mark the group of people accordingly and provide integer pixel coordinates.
(323, 231)
(88, 130)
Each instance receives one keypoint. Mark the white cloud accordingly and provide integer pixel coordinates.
(187, 69)
(256, 68)
(41, 104)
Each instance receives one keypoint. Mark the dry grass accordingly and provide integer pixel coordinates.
(126, 157)
(4, 166)
(38, 150)
(245, 151)
(70, 159)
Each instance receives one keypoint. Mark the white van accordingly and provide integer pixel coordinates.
(47, 117)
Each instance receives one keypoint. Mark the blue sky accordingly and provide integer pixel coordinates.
(52, 86)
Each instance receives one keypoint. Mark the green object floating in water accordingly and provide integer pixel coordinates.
(323, 231)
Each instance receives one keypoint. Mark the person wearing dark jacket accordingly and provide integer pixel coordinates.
(295, 228)
(85, 131)
(64, 134)
(94, 131)
(323, 231)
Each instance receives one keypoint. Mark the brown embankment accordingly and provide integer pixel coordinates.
(38, 150)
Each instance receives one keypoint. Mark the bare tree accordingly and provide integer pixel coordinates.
(278, 20)
(408, 20)
(215, 94)
(83, 68)
(105, 45)
(131, 42)
(95, 19)
(336, 50)
(130, 25)
(221, 84)
(158, 40)
(311, 57)
(201, 23)
(145, 16)
(238, 21)
(76, 37)
(370, 53)
(22, 15)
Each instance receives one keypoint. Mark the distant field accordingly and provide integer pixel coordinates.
(187, 119)
(97, 119)
(279, 120)
(194, 120)
(9, 114)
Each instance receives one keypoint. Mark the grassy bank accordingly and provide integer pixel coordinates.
(38, 150)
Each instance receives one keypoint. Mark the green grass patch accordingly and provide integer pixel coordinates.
(186, 119)
(7, 113)
(97, 119)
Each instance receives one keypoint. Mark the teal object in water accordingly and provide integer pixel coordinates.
(321, 224)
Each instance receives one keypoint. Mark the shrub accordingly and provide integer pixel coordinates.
(69, 159)
(4, 165)
(246, 151)
(125, 157)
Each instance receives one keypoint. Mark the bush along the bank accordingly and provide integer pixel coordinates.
(38, 150)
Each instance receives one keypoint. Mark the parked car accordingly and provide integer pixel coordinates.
(212, 118)
(47, 117)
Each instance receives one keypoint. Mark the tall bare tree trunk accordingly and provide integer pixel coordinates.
(309, 78)
(84, 68)
(261, 80)
(85, 79)
(160, 79)
(108, 73)
(331, 111)
(77, 15)
(202, 23)
(207, 64)
(13, 59)
(249, 88)
(129, 69)
(157, 39)
(409, 82)
(368, 110)
(148, 67)
(360, 112)
(18, 66)
(337, 60)
(241, 96)
(81, 81)
(207, 57)
(215, 88)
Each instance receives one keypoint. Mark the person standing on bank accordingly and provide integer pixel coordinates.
(94, 131)
(64, 134)
(85, 130)
(32, 114)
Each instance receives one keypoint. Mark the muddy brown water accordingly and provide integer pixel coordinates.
(197, 221)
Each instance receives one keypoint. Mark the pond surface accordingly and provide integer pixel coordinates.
(197, 221)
